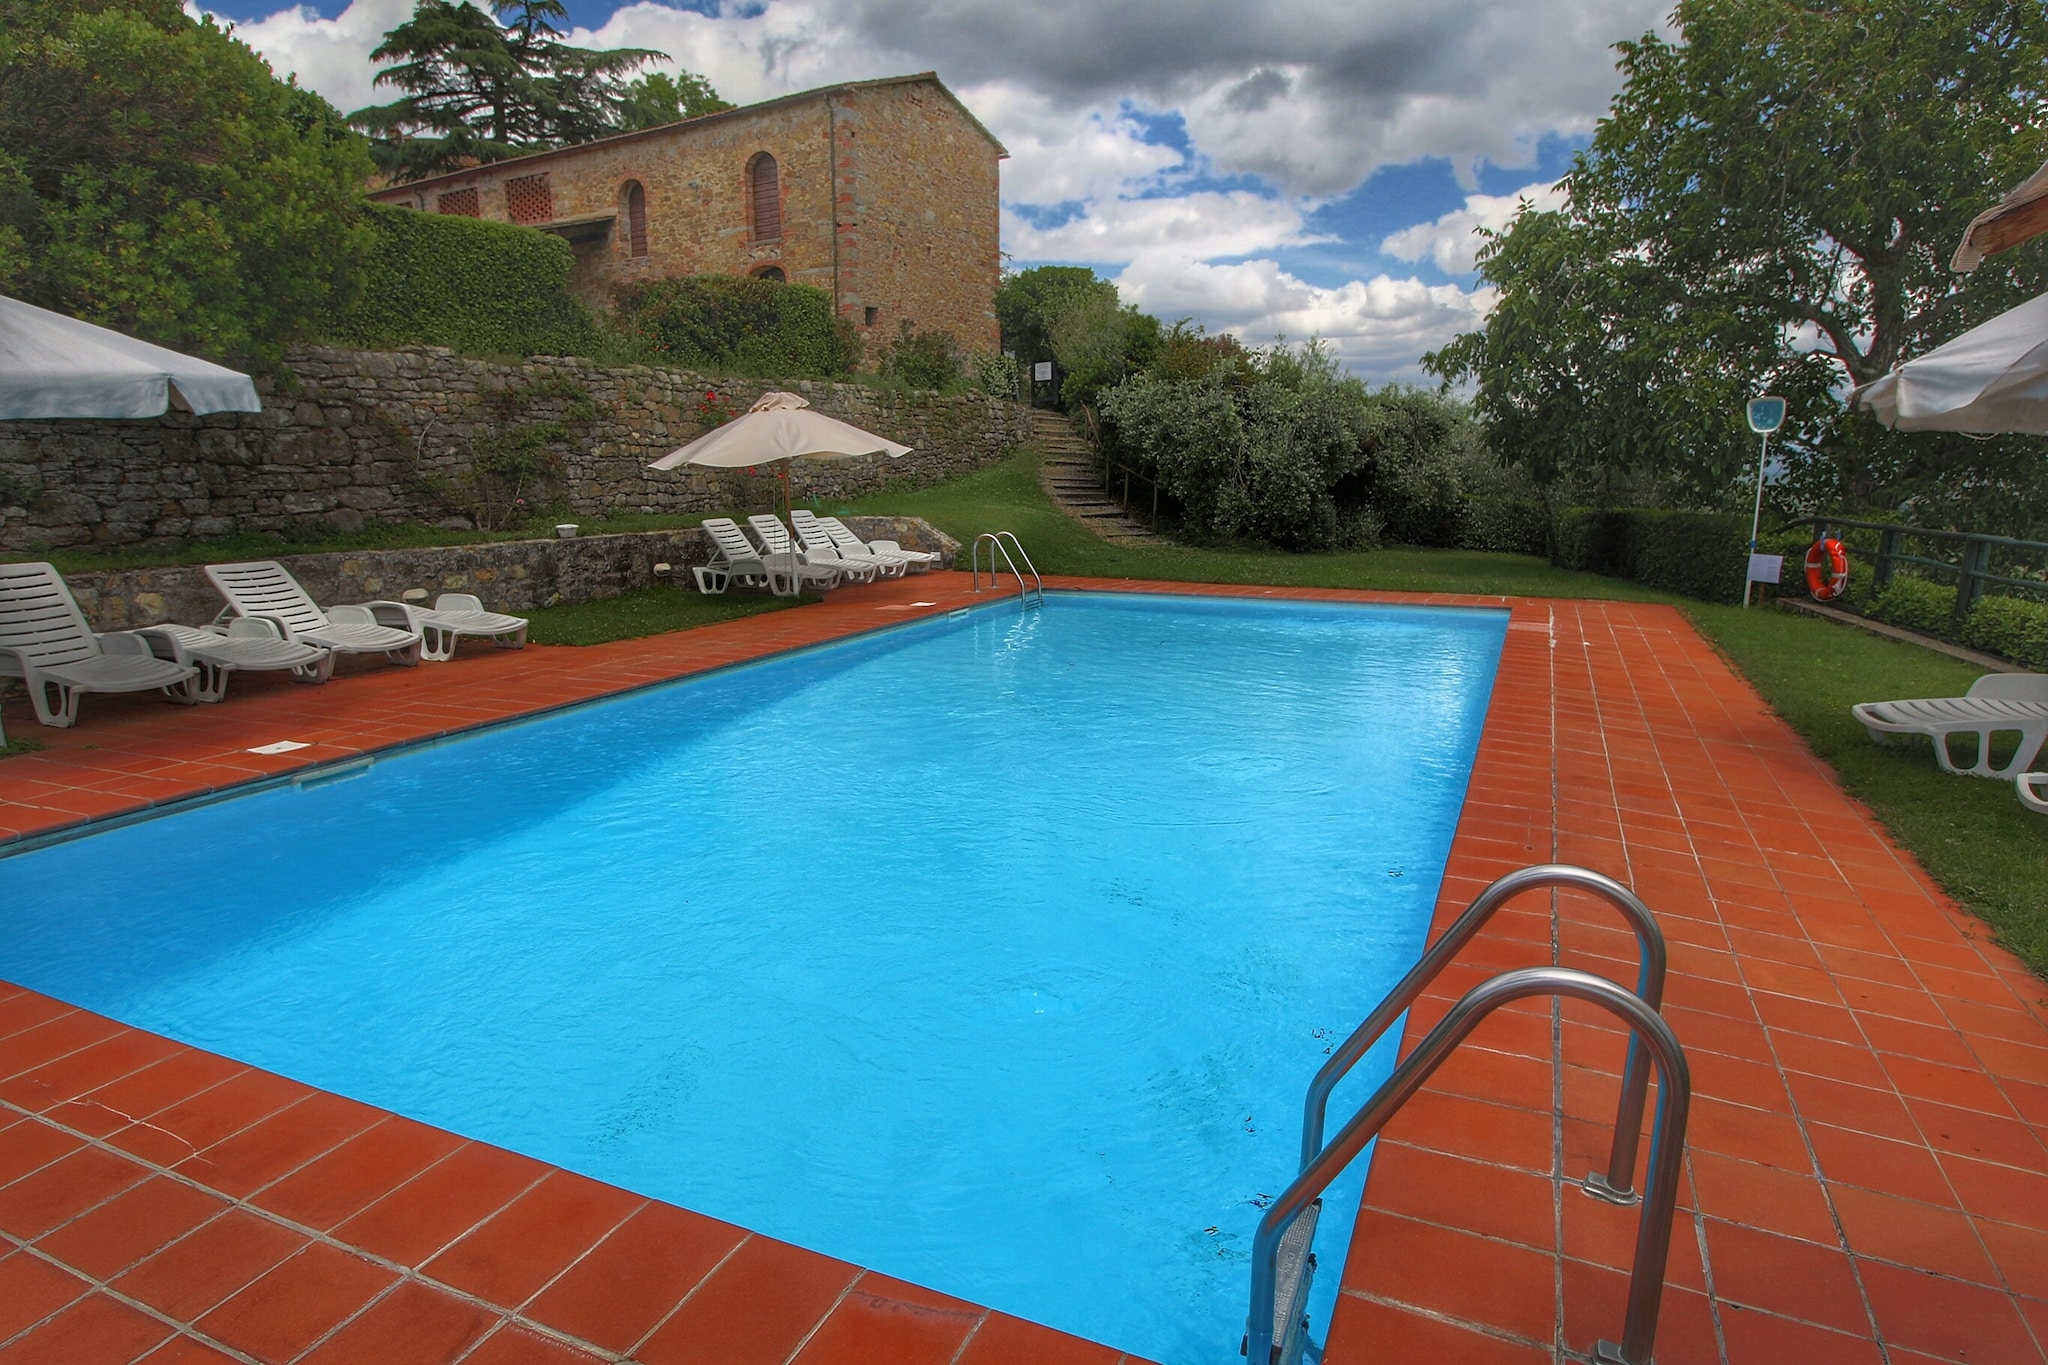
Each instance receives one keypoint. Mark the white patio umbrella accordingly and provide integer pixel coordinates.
(56, 366)
(780, 426)
(1990, 380)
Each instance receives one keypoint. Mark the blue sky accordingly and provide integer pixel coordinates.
(1265, 167)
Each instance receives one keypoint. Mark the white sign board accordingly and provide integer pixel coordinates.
(1766, 568)
(1766, 415)
(1042, 372)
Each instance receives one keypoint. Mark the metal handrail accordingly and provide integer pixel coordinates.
(1667, 1148)
(1615, 1184)
(1000, 542)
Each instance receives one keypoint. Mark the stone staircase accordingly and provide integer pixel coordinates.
(1073, 480)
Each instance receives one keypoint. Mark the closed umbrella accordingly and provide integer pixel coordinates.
(56, 366)
(1990, 380)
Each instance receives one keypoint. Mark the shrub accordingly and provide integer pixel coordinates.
(477, 286)
(1703, 555)
(923, 360)
(2013, 627)
(726, 323)
(1916, 604)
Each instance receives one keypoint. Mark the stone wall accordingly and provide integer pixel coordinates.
(356, 437)
(509, 575)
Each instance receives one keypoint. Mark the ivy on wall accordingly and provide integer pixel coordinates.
(477, 286)
(727, 324)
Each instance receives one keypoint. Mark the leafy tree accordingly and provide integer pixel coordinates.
(929, 359)
(1098, 341)
(1769, 205)
(657, 98)
(480, 87)
(1029, 303)
(157, 178)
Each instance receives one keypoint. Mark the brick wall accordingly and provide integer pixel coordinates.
(358, 437)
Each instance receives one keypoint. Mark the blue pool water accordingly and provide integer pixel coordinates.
(993, 953)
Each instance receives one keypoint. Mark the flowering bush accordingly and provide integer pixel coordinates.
(713, 411)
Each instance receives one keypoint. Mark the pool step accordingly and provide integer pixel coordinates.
(1295, 1271)
(1073, 480)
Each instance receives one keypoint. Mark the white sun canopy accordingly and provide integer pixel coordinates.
(56, 366)
(1990, 380)
(781, 426)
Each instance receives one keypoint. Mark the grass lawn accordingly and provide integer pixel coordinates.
(1971, 834)
(646, 611)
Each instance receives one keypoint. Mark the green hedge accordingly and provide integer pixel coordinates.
(1694, 554)
(2010, 626)
(726, 323)
(1516, 526)
(477, 286)
(1914, 603)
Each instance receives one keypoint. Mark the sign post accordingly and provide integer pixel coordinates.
(1766, 415)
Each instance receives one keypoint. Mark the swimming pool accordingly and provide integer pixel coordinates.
(991, 953)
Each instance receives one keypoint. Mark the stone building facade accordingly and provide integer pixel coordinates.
(882, 193)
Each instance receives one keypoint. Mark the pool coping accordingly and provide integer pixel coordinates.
(1421, 1232)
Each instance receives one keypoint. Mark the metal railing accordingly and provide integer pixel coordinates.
(1614, 1184)
(1002, 542)
(1971, 568)
(1667, 1148)
(1111, 467)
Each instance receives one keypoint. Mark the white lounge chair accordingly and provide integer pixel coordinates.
(1995, 703)
(250, 643)
(264, 589)
(847, 541)
(819, 540)
(46, 642)
(775, 540)
(2033, 788)
(454, 615)
(737, 560)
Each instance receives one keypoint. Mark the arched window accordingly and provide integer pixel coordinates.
(636, 219)
(771, 272)
(764, 195)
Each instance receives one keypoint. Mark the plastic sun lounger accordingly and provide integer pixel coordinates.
(453, 615)
(843, 537)
(739, 561)
(247, 642)
(46, 642)
(265, 590)
(775, 539)
(2033, 789)
(1995, 702)
(819, 538)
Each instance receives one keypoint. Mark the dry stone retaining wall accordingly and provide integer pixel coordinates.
(509, 575)
(357, 437)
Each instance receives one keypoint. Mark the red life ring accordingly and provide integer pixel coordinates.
(1827, 570)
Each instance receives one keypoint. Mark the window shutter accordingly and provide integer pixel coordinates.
(767, 198)
(636, 220)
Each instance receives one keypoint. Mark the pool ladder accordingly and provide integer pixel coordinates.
(1001, 543)
(1283, 1264)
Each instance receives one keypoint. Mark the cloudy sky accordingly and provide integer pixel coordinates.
(1266, 167)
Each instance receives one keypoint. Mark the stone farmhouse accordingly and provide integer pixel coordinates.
(883, 193)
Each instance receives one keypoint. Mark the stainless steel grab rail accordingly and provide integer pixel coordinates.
(1614, 1185)
(1667, 1148)
(1001, 542)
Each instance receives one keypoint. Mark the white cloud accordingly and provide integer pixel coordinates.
(1452, 241)
(331, 56)
(1193, 227)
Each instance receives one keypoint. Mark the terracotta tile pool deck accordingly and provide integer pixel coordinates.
(1866, 1178)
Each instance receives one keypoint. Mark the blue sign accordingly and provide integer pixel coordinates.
(1766, 415)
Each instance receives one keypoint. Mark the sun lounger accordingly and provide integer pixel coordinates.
(46, 642)
(775, 540)
(1995, 703)
(248, 643)
(454, 615)
(264, 589)
(737, 560)
(2033, 789)
(819, 539)
(847, 541)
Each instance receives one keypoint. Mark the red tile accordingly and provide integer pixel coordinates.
(509, 1258)
(1756, 1338)
(886, 1321)
(414, 1324)
(515, 1345)
(614, 1296)
(2021, 1255)
(125, 1052)
(96, 1328)
(31, 1289)
(59, 1192)
(182, 1350)
(141, 1094)
(1762, 1196)
(1004, 1340)
(1783, 1275)
(295, 1304)
(279, 1144)
(1398, 1334)
(1455, 1275)
(1906, 1169)
(356, 1174)
(136, 1223)
(1473, 1196)
(760, 1305)
(1986, 1137)
(190, 1276)
(1946, 1318)
(433, 1209)
(30, 1146)
(194, 1124)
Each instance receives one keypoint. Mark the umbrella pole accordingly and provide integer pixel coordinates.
(1756, 514)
